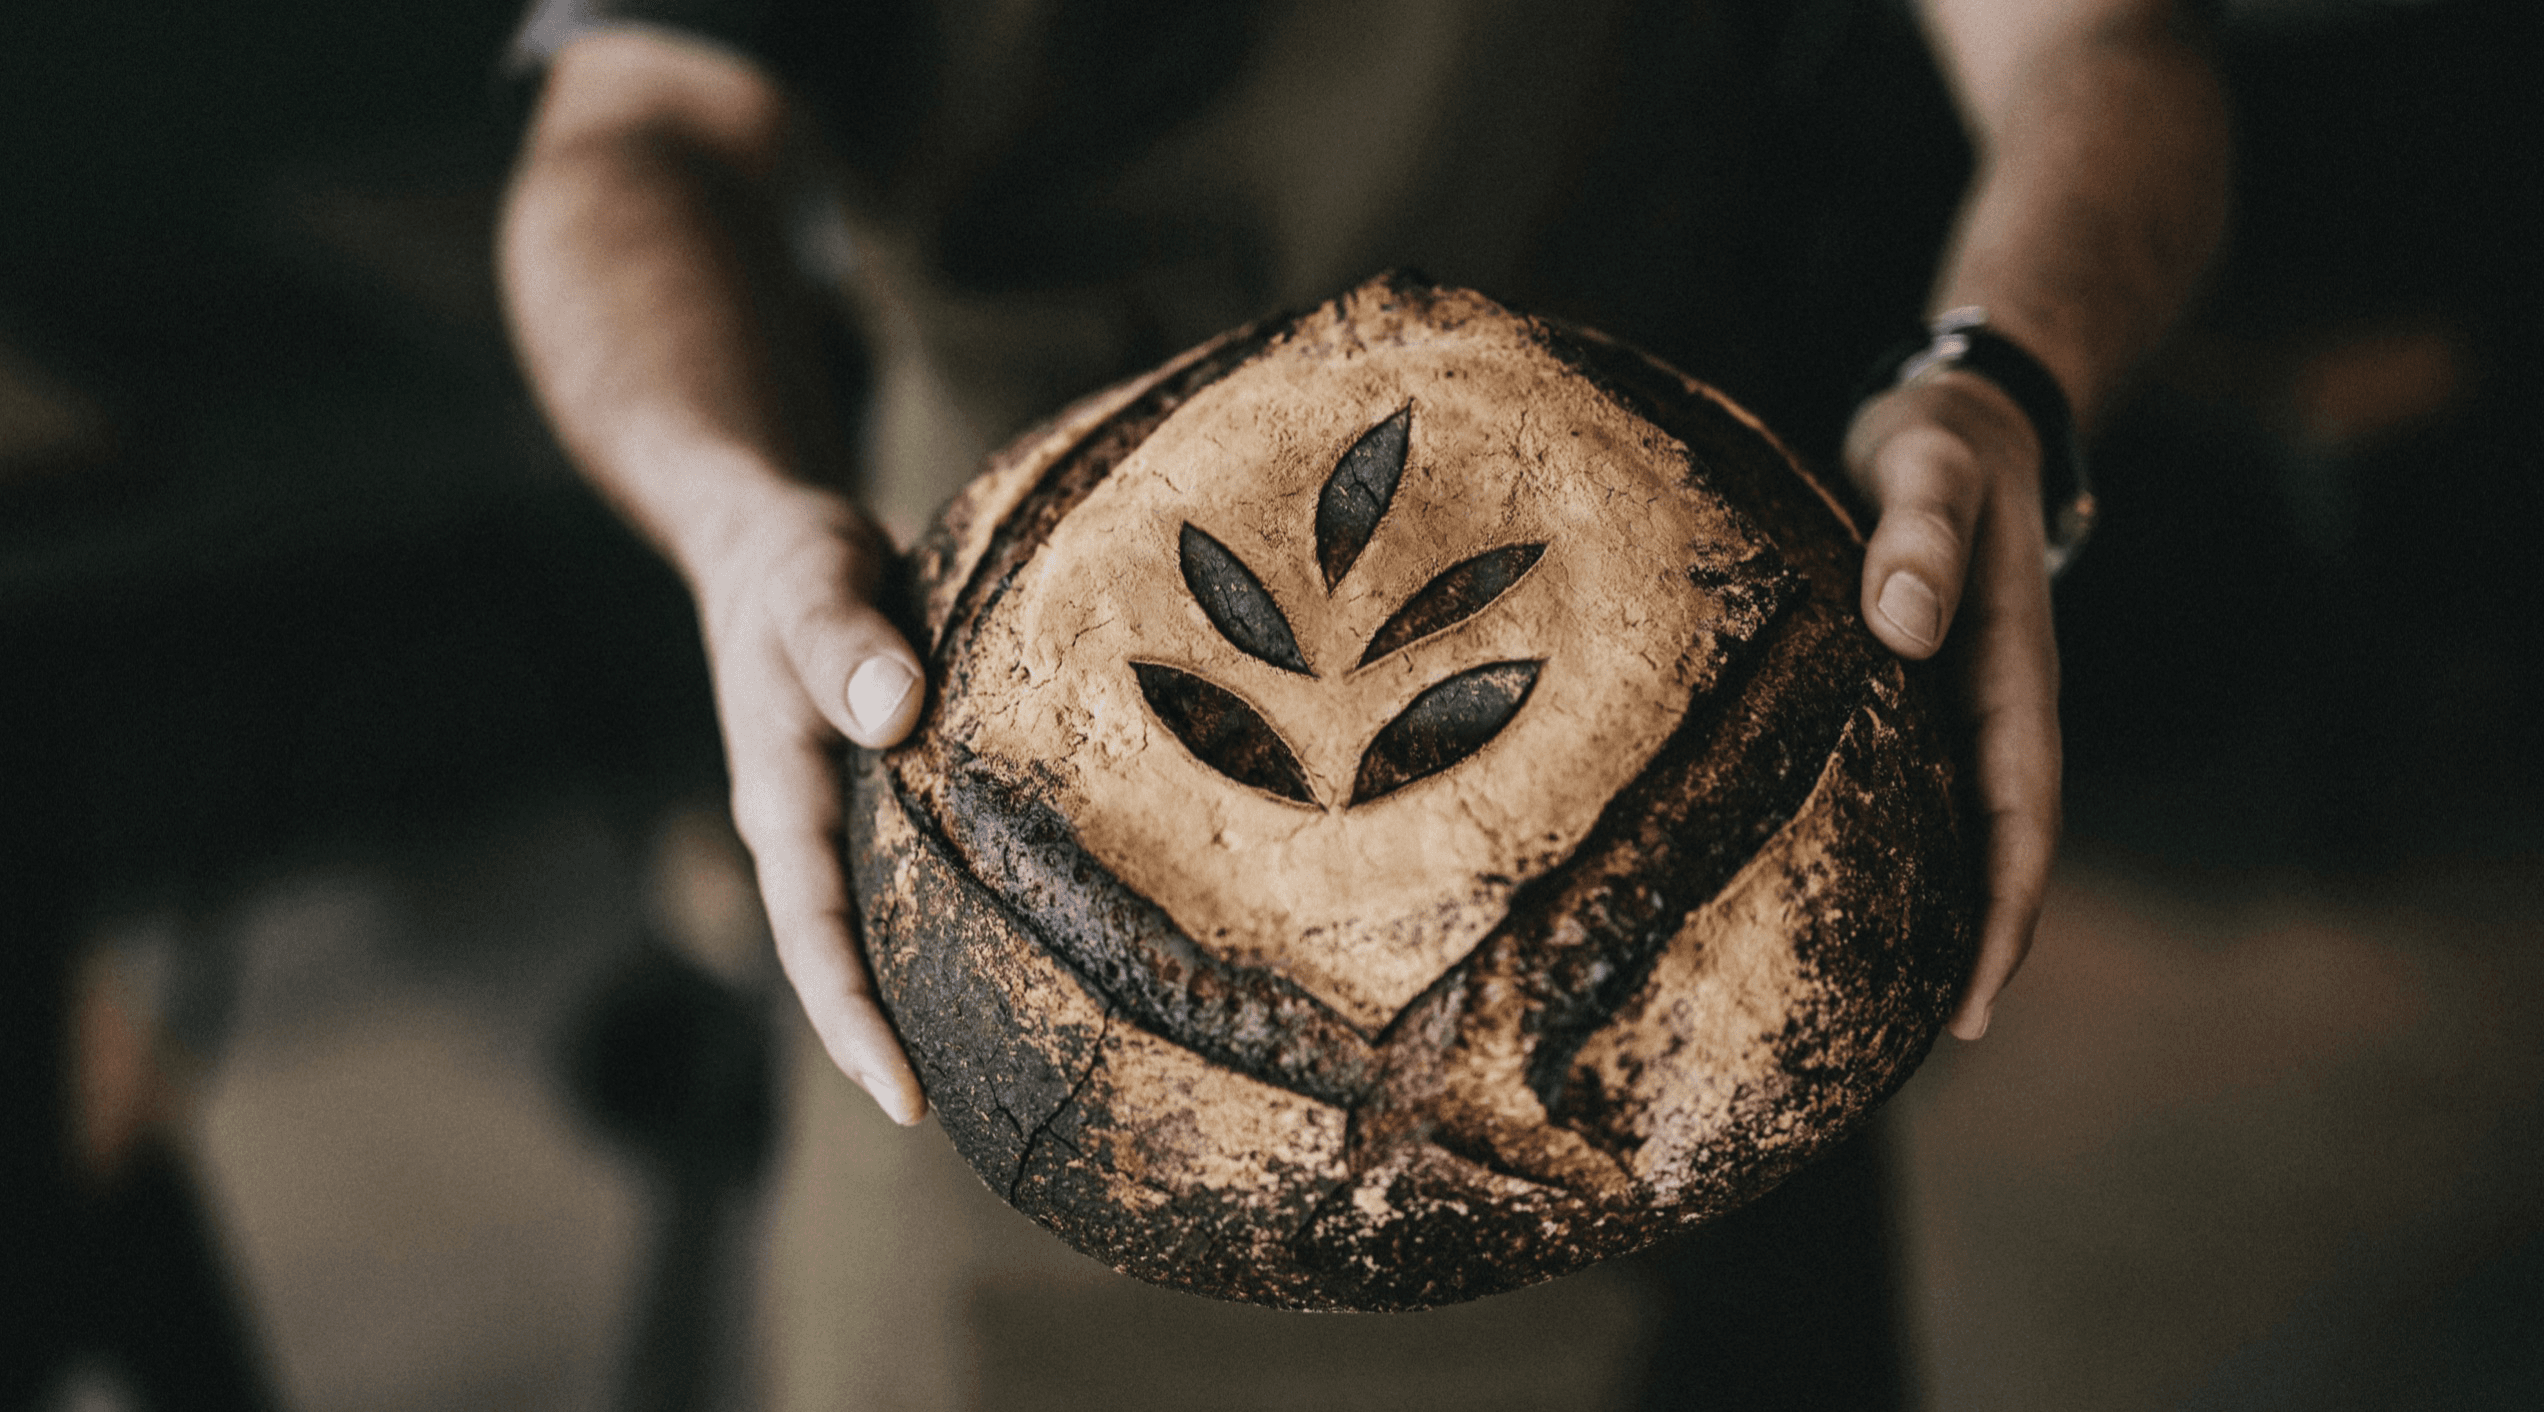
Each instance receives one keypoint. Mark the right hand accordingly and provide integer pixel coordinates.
(801, 659)
(1955, 467)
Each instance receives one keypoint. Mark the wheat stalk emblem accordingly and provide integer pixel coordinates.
(1451, 720)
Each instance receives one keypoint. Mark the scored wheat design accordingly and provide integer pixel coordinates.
(1452, 718)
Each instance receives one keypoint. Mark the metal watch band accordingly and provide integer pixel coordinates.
(1961, 338)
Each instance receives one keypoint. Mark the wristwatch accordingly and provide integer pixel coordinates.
(1961, 339)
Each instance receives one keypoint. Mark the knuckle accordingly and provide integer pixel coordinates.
(1922, 531)
(810, 629)
(1926, 450)
(829, 633)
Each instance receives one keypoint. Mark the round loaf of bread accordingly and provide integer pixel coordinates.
(1407, 808)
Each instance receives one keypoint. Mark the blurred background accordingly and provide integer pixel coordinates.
(377, 957)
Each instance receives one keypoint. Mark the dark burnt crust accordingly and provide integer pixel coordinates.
(1211, 1243)
(1882, 961)
(926, 924)
(1581, 941)
(1125, 947)
(1028, 1098)
(1910, 819)
(1444, 1245)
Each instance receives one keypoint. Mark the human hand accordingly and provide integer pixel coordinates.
(1953, 466)
(801, 658)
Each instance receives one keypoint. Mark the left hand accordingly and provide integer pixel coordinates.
(1953, 466)
(802, 659)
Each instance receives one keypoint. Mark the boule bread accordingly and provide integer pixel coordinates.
(1406, 808)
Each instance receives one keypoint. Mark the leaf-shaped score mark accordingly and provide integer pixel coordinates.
(1357, 494)
(1443, 726)
(1456, 595)
(1237, 602)
(1223, 732)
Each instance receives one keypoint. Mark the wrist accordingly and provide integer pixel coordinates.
(1963, 351)
(716, 509)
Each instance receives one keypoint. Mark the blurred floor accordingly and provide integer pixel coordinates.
(2240, 1146)
(420, 1220)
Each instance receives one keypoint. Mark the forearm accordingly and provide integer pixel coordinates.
(638, 273)
(2101, 190)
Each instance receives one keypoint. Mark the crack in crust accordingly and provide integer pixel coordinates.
(1125, 947)
(1033, 1140)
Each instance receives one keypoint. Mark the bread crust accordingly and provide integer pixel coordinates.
(1670, 883)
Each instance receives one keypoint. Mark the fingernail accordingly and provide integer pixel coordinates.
(1979, 1031)
(888, 1098)
(1912, 608)
(877, 689)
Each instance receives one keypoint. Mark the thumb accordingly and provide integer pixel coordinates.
(856, 669)
(1929, 486)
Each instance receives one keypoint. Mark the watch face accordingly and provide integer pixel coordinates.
(1357, 643)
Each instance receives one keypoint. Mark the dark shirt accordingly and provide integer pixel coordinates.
(1062, 191)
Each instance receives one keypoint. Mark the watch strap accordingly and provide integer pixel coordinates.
(1961, 339)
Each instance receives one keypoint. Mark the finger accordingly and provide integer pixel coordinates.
(854, 665)
(2021, 843)
(856, 668)
(2014, 701)
(1929, 487)
(786, 807)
